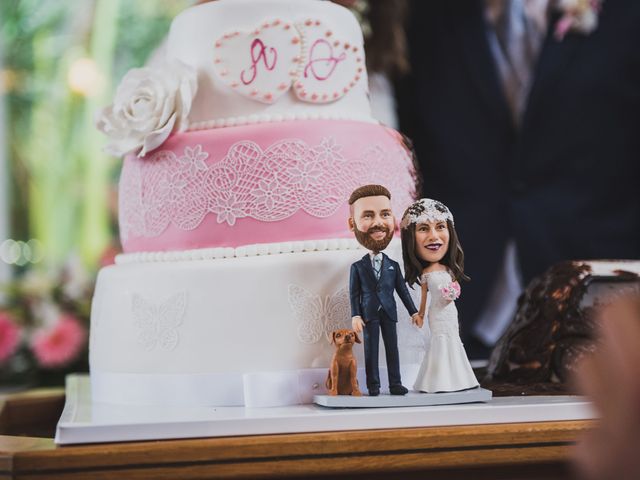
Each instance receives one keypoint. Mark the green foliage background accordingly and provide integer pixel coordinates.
(62, 186)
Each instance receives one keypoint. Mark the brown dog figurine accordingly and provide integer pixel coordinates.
(342, 379)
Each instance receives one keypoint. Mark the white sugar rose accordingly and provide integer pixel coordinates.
(149, 104)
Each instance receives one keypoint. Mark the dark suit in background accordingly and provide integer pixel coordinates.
(565, 183)
(373, 300)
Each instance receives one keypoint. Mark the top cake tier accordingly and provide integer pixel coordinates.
(287, 81)
(271, 61)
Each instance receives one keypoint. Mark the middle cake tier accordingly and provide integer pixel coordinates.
(260, 183)
(190, 332)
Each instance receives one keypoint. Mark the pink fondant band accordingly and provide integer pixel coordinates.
(262, 183)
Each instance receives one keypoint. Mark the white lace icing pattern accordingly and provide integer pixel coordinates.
(249, 182)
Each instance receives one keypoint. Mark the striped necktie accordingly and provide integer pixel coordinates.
(519, 41)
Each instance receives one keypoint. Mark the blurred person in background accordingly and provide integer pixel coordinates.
(611, 380)
(383, 23)
(524, 116)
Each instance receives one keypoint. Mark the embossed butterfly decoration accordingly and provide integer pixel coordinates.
(159, 323)
(319, 315)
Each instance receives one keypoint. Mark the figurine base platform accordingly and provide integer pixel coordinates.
(85, 421)
(412, 399)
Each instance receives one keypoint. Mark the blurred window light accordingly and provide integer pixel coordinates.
(36, 251)
(21, 253)
(25, 254)
(84, 77)
(10, 251)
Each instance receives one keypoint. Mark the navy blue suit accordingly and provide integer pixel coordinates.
(373, 300)
(563, 184)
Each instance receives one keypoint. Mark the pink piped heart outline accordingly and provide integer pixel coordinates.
(264, 63)
(259, 64)
(331, 66)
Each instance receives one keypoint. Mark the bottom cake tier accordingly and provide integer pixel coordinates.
(250, 330)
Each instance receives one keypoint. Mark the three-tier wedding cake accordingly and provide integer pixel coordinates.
(242, 148)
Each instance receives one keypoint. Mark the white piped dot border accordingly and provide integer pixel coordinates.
(276, 117)
(259, 249)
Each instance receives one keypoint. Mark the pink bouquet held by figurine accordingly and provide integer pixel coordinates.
(450, 291)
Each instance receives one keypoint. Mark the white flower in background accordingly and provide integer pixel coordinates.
(46, 311)
(37, 283)
(149, 104)
(75, 278)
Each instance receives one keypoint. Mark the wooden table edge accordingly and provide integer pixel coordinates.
(423, 447)
(463, 446)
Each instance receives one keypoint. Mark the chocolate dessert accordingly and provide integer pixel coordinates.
(555, 326)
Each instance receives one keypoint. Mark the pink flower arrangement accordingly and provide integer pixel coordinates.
(45, 311)
(60, 345)
(450, 291)
(9, 336)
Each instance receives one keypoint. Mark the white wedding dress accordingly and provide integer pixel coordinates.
(445, 367)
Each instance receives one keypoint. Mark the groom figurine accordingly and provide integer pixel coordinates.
(373, 280)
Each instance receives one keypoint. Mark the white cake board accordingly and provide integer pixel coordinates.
(412, 399)
(85, 422)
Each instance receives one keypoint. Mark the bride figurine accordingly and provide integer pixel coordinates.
(433, 258)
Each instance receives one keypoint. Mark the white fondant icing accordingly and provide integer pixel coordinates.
(256, 62)
(195, 32)
(240, 316)
(252, 390)
(319, 316)
(158, 323)
(329, 68)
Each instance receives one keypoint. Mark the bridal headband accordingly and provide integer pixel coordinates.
(426, 210)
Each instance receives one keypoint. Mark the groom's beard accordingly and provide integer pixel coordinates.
(369, 243)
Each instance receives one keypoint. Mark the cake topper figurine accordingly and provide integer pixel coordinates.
(372, 282)
(433, 258)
